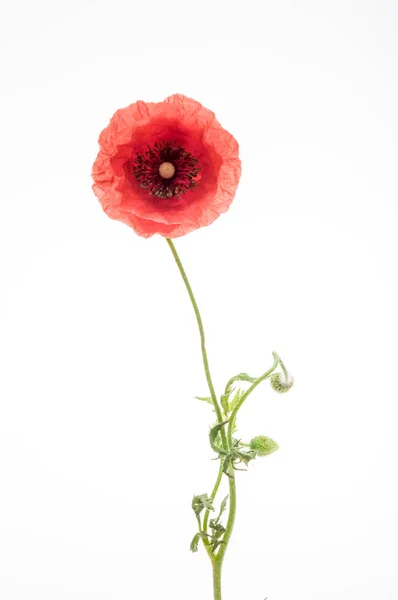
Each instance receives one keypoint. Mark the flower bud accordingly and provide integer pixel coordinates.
(281, 382)
(263, 445)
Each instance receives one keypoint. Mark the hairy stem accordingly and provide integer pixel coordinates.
(217, 564)
(232, 418)
(232, 487)
(213, 495)
(217, 559)
(202, 339)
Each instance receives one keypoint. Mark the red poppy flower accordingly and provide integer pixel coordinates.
(166, 167)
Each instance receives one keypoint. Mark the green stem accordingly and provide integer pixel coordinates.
(219, 558)
(217, 565)
(207, 547)
(202, 340)
(232, 487)
(240, 377)
(247, 393)
(213, 495)
(285, 372)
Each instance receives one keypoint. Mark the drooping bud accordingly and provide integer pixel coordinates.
(281, 382)
(263, 445)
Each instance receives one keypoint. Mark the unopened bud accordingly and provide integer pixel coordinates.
(281, 382)
(263, 445)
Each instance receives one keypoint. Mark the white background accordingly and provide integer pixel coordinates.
(101, 442)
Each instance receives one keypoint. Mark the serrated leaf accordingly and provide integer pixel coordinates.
(207, 503)
(195, 541)
(214, 524)
(201, 502)
(244, 377)
(235, 399)
(245, 457)
(203, 399)
(227, 469)
(215, 545)
(225, 403)
(223, 505)
(214, 433)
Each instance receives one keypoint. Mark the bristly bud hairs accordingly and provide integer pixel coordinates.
(263, 445)
(282, 381)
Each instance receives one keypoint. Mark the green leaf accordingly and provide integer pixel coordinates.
(215, 545)
(208, 399)
(236, 399)
(225, 403)
(223, 506)
(244, 377)
(214, 524)
(245, 457)
(227, 467)
(214, 433)
(201, 502)
(195, 542)
(207, 503)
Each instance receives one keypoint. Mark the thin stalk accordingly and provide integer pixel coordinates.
(232, 487)
(246, 394)
(207, 547)
(217, 559)
(202, 340)
(217, 564)
(213, 495)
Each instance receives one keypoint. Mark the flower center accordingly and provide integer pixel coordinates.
(166, 170)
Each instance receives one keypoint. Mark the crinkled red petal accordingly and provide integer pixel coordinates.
(177, 119)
